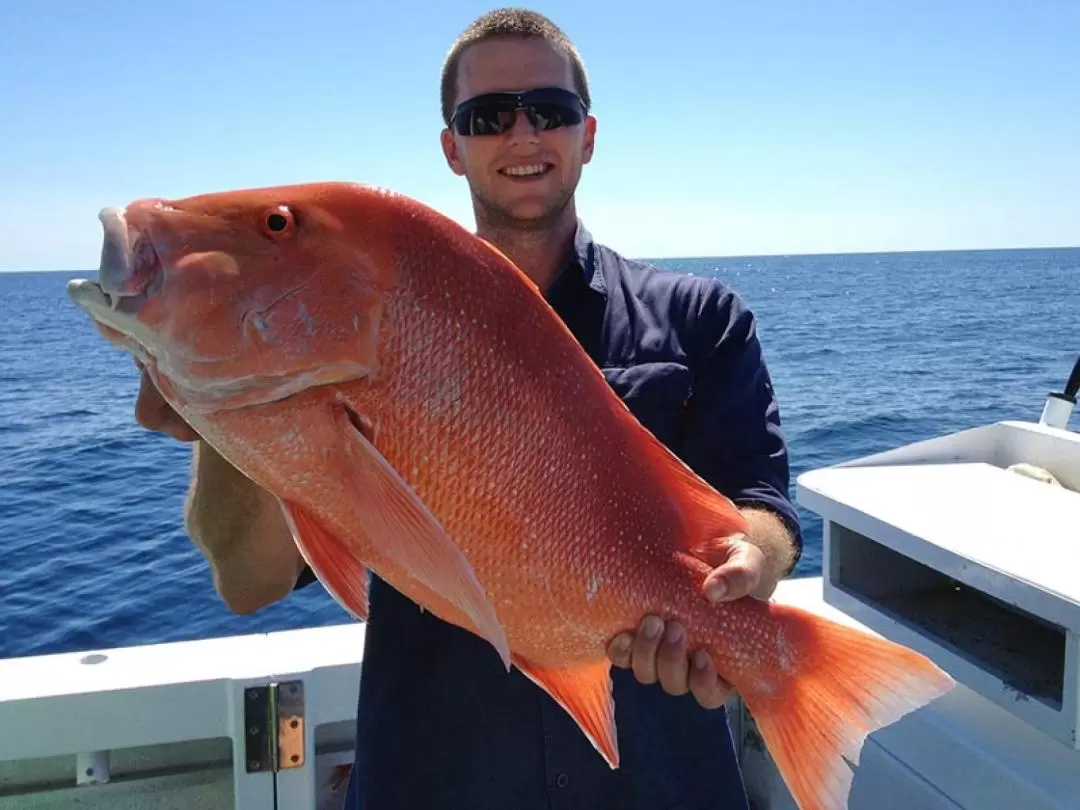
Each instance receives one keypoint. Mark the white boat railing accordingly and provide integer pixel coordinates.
(167, 726)
(190, 724)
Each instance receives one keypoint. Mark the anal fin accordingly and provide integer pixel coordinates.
(585, 693)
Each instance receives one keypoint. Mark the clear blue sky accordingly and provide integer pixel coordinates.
(724, 128)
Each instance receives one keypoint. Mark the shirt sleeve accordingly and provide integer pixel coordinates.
(733, 437)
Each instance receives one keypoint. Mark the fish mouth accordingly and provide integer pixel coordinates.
(120, 327)
(130, 271)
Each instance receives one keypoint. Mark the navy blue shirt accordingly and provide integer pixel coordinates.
(442, 726)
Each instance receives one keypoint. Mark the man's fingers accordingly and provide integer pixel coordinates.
(619, 650)
(737, 576)
(180, 430)
(150, 405)
(643, 650)
(717, 551)
(154, 413)
(672, 664)
(656, 653)
(709, 689)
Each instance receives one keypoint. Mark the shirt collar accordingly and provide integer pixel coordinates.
(583, 255)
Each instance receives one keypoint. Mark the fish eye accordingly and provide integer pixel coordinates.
(278, 222)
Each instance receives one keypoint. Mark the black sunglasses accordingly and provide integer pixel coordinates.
(495, 113)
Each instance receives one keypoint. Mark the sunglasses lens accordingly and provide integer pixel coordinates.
(484, 119)
(495, 113)
(552, 115)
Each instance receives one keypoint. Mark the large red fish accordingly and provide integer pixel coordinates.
(420, 412)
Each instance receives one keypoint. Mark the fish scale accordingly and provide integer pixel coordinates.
(419, 411)
(492, 459)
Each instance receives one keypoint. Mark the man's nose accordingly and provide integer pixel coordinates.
(523, 130)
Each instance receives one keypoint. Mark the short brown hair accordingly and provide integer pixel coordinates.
(504, 23)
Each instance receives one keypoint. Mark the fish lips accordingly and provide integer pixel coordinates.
(129, 261)
(129, 271)
(120, 326)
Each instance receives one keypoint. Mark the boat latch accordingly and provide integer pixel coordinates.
(274, 726)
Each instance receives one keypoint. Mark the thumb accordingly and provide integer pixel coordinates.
(716, 551)
(737, 570)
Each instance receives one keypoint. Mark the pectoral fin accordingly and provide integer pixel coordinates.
(340, 572)
(405, 531)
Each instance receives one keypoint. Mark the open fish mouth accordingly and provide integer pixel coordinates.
(129, 271)
(120, 326)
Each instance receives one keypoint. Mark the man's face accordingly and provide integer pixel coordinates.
(489, 162)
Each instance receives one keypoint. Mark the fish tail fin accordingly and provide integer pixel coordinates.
(835, 685)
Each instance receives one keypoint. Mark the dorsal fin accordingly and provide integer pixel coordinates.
(708, 514)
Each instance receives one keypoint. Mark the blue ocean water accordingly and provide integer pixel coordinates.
(866, 352)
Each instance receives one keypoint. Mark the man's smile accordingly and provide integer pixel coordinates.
(527, 171)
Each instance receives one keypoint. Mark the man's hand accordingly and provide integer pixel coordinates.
(154, 413)
(659, 653)
(238, 526)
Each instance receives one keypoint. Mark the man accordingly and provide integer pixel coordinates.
(441, 724)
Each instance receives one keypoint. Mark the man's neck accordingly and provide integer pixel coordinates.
(540, 251)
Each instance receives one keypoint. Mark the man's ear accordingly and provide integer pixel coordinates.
(589, 140)
(450, 152)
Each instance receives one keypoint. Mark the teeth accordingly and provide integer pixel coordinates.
(524, 171)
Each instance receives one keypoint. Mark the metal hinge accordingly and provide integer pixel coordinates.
(274, 726)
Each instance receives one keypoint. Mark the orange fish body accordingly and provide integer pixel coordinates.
(421, 412)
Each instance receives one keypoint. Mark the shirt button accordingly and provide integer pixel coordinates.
(562, 780)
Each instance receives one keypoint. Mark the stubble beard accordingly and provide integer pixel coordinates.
(495, 218)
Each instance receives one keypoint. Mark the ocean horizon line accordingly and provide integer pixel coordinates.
(708, 257)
